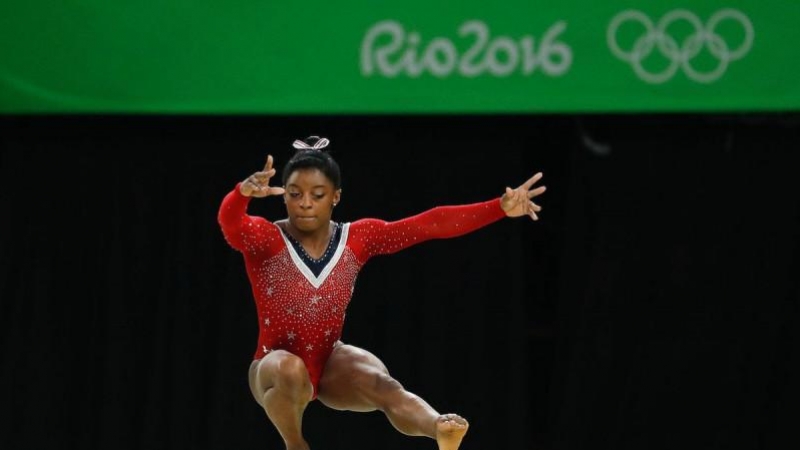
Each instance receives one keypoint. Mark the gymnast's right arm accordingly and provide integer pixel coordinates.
(233, 218)
(245, 233)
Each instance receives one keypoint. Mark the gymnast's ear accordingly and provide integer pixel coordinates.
(337, 197)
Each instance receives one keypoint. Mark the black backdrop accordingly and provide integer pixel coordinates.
(653, 306)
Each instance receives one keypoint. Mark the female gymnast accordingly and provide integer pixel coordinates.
(302, 271)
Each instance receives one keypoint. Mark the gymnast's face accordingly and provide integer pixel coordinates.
(310, 197)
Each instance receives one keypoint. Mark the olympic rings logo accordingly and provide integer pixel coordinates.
(680, 56)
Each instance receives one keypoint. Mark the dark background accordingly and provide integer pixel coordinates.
(653, 306)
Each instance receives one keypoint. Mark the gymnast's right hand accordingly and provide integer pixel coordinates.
(257, 184)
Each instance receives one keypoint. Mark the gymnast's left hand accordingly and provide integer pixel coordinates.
(517, 202)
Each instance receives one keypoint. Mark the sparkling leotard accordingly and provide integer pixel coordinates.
(303, 312)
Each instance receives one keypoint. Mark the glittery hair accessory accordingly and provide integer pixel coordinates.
(319, 145)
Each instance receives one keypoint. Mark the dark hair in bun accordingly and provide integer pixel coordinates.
(311, 154)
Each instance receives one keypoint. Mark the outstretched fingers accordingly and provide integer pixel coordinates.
(517, 202)
(268, 172)
(536, 192)
(532, 208)
(268, 166)
(531, 181)
(275, 190)
(257, 184)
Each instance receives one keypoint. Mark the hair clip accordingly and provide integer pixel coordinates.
(319, 145)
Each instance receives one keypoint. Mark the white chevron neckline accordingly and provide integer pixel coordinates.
(317, 281)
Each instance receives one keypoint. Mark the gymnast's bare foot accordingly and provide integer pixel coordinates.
(450, 429)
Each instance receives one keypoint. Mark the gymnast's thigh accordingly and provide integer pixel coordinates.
(352, 379)
(262, 372)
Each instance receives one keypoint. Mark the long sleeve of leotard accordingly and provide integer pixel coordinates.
(372, 237)
(245, 233)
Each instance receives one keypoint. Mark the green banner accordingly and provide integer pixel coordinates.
(353, 57)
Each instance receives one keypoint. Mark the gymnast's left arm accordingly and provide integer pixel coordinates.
(374, 236)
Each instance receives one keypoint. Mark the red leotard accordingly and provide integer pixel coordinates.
(303, 313)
